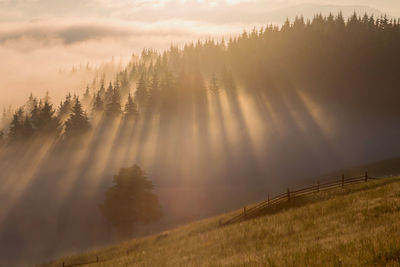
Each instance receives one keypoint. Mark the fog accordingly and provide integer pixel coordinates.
(41, 56)
(288, 119)
(38, 38)
(201, 164)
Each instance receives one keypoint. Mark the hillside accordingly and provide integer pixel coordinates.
(355, 226)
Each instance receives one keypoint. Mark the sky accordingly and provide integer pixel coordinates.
(40, 37)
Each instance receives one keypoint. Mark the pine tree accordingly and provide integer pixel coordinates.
(154, 91)
(130, 201)
(141, 94)
(130, 108)
(98, 104)
(123, 77)
(77, 123)
(16, 127)
(108, 93)
(113, 107)
(65, 107)
(32, 101)
(27, 130)
(43, 119)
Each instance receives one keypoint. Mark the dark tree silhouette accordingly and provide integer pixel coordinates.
(16, 127)
(102, 90)
(113, 107)
(130, 111)
(65, 108)
(98, 104)
(43, 120)
(341, 63)
(27, 129)
(32, 101)
(108, 93)
(141, 94)
(77, 123)
(130, 201)
(154, 92)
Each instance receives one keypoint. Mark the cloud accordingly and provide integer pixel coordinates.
(69, 34)
(154, 23)
(221, 11)
(77, 31)
(32, 53)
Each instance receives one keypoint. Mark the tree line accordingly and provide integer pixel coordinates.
(351, 61)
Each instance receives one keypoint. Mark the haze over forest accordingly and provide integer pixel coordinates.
(259, 103)
(38, 38)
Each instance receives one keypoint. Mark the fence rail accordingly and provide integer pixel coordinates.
(258, 209)
(97, 260)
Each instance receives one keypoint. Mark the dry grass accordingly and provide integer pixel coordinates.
(355, 226)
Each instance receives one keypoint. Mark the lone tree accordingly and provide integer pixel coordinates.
(130, 201)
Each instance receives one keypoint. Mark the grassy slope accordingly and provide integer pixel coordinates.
(355, 226)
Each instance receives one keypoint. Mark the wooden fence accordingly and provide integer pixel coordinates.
(97, 260)
(259, 208)
(262, 207)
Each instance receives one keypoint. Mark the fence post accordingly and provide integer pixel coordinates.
(288, 194)
(63, 264)
(366, 176)
(268, 199)
(97, 259)
(244, 211)
(342, 180)
(318, 186)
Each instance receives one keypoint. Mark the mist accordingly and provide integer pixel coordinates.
(40, 38)
(229, 108)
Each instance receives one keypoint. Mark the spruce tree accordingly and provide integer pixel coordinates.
(65, 107)
(113, 107)
(141, 94)
(108, 93)
(16, 127)
(27, 130)
(77, 123)
(130, 201)
(154, 91)
(130, 108)
(98, 104)
(32, 101)
(43, 120)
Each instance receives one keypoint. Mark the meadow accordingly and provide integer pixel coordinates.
(358, 225)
